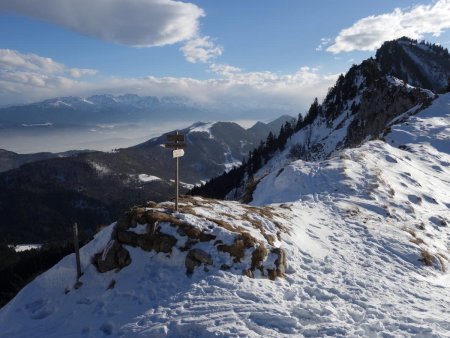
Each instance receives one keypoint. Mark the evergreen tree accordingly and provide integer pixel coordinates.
(299, 124)
(313, 112)
(271, 143)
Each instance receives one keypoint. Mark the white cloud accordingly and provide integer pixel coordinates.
(27, 77)
(30, 76)
(80, 72)
(140, 23)
(223, 69)
(201, 49)
(12, 61)
(323, 42)
(369, 33)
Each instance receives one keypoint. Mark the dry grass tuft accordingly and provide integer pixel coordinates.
(440, 258)
(426, 257)
(417, 240)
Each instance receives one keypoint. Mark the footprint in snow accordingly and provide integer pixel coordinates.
(40, 309)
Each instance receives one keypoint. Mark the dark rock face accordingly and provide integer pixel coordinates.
(114, 256)
(152, 239)
(379, 105)
(420, 64)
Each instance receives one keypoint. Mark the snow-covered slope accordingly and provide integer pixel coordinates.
(357, 229)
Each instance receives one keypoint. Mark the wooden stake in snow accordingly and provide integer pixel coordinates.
(178, 146)
(77, 249)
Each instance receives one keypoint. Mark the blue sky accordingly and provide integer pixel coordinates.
(253, 53)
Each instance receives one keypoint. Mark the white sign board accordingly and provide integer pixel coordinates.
(178, 153)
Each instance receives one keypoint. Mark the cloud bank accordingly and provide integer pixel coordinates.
(32, 76)
(201, 49)
(26, 78)
(369, 33)
(140, 23)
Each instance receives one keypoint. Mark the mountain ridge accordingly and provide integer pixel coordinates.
(357, 108)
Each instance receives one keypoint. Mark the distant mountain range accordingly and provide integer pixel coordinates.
(122, 109)
(39, 200)
(73, 110)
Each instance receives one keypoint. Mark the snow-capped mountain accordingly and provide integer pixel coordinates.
(105, 108)
(354, 245)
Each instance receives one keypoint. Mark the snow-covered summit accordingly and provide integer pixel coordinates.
(202, 127)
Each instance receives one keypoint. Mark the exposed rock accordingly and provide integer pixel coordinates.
(280, 262)
(194, 233)
(246, 252)
(163, 242)
(156, 241)
(196, 257)
(124, 222)
(127, 237)
(114, 256)
(258, 256)
(237, 249)
(248, 273)
(139, 216)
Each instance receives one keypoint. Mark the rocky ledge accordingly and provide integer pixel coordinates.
(209, 234)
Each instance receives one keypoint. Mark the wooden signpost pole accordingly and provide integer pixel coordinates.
(176, 181)
(77, 250)
(177, 146)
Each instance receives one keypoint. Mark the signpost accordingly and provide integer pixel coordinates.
(176, 142)
(178, 153)
(77, 255)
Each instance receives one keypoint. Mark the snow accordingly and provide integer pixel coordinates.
(356, 224)
(397, 82)
(188, 186)
(148, 178)
(60, 103)
(202, 127)
(183, 184)
(100, 168)
(25, 247)
(230, 161)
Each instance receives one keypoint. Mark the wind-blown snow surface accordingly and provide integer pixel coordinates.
(357, 224)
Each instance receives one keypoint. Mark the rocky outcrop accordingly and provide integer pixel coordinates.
(113, 256)
(379, 104)
(208, 242)
(197, 257)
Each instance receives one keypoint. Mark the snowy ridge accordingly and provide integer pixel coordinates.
(148, 178)
(361, 227)
(202, 127)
